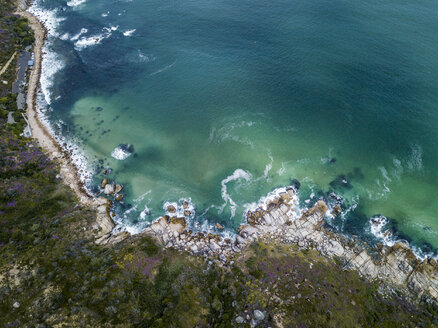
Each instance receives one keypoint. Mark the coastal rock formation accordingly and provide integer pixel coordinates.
(109, 189)
(104, 182)
(281, 221)
(118, 188)
(106, 224)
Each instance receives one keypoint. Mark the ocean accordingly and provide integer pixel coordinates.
(219, 103)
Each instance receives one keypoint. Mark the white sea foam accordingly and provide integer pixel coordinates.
(75, 3)
(85, 42)
(51, 64)
(226, 133)
(121, 152)
(281, 170)
(49, 18)
(142, 197)
(77, 156)
(384, 189)
(163, 69)
(78, 35)
(146, 212)
(264, 201)
(379, 229)
(397, 171)
(65, 37)
(129, 32)
(145, 58)
(124, 218)
(415, 160)
(303, 161)
(384, 173)
(111, 28)
(268, 166)
(211, 136)
(238, 174)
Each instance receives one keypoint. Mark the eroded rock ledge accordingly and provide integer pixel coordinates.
(279, 222)
(105, 224)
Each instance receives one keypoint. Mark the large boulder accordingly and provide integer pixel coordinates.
(118, 188)
(104, 220)
(101, 201)
(109, 189)
(104, 182)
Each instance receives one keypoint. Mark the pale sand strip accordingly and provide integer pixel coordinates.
(4, 68)
(39, 131)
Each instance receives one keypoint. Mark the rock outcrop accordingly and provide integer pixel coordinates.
(118, 188)
(281, 221)
(109, 189)
(106, 224)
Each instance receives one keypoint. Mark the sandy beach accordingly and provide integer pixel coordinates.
(39, 131)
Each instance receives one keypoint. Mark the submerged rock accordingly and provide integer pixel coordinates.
(295, 184)
(340, 183)
(336, 211)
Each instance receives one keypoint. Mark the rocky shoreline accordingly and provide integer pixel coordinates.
(397, 266)
(104, 217)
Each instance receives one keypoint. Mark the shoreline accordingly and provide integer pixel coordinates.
(396, 266)
(40, 133)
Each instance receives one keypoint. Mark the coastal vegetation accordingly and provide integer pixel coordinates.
(15, 36)
(52, 273)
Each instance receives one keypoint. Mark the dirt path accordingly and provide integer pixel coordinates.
(4, 68)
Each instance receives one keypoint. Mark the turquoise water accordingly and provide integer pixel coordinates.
(224, 101)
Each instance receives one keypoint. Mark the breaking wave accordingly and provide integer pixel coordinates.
(238, 174)
(75, 3)
(129, 32)
(122, 152)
